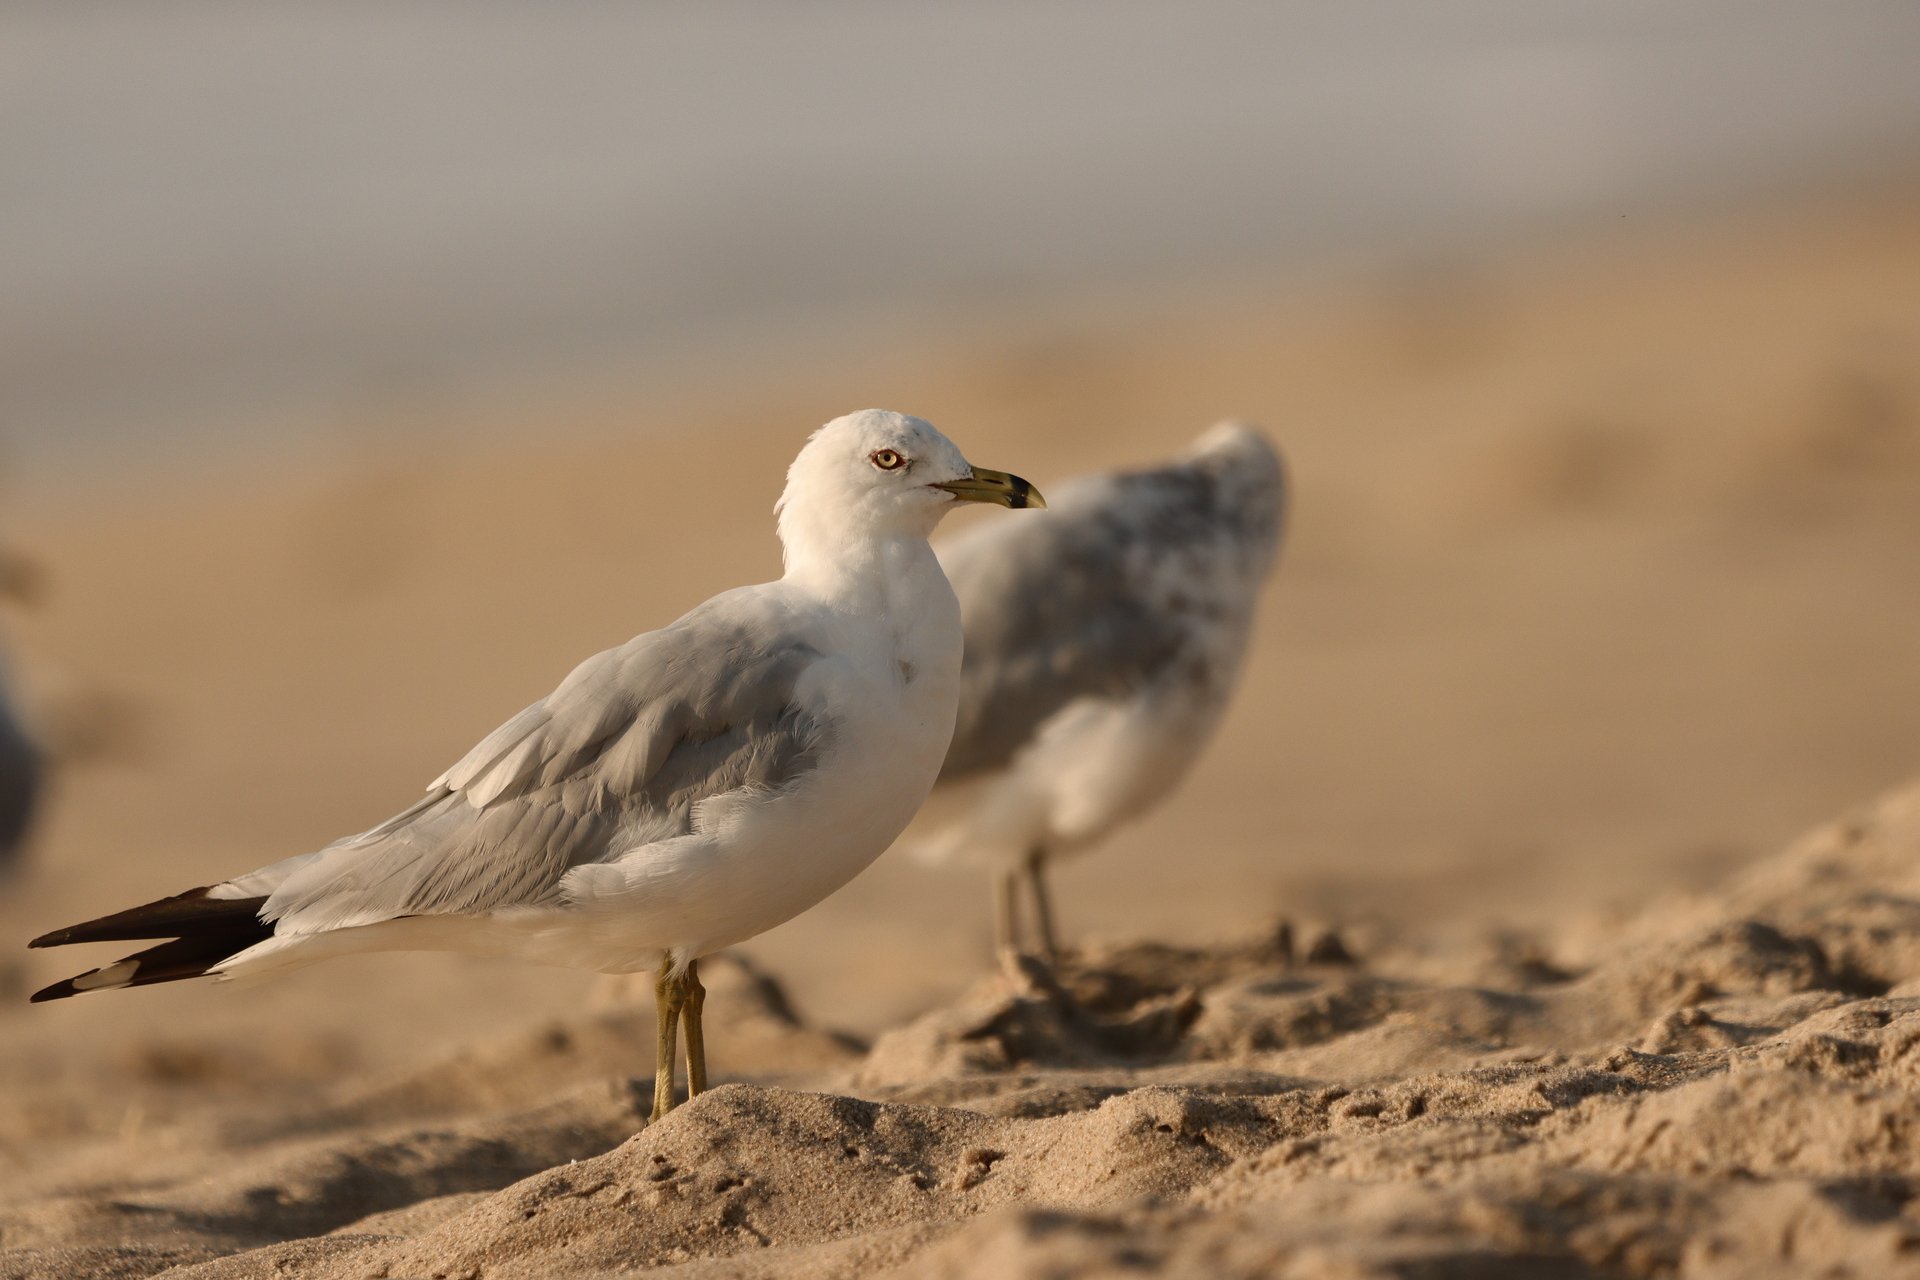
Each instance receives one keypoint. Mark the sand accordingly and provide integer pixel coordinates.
(1469, 950)
(1734, 1091)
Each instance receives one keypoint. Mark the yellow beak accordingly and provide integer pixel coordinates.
(994, 486)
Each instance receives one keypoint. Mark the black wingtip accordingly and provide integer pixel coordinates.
(205, 932)
(173, 961)
(188, 914)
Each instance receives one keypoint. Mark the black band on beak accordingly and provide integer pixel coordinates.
(998, 487)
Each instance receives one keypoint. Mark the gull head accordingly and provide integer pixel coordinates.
(876, 475)
(1250, 479)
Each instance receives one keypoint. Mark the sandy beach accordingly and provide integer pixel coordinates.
(1533, 914)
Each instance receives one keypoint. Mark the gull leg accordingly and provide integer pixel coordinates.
(696, 998)
(1006, 911)
(1036, 870)
(669, 997)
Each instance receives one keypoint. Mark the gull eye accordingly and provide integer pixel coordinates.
(887, 459)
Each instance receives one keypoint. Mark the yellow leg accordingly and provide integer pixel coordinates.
(1006, 911)
(1036, 870)
(696, 998)
(669, 997)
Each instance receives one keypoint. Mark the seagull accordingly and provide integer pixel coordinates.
(679, 794)
(21, 765)
(20, 777)
(1103, 641)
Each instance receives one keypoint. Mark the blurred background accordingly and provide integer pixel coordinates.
(362, 367)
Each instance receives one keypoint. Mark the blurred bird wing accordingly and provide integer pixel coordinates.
(1096, 596)
(616, 757)
(20, 777)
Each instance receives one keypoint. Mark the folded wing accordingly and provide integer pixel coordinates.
(1090, 599)
(618, 756)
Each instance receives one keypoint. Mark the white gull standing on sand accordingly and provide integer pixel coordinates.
(1103, 641)
(681, 793)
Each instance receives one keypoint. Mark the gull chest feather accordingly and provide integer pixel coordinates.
(906, 648)
(895, 691)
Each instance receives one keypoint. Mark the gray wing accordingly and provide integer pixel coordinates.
(614, 758)
(1101, 594)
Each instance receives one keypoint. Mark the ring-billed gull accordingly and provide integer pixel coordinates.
(1103, 641)
(21, 765)
(20, 771)
(681, 793)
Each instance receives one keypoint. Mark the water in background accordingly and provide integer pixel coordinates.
(216, 212)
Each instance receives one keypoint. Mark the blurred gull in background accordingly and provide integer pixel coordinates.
(1103, 641)
(20, 760)
(20, 775)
